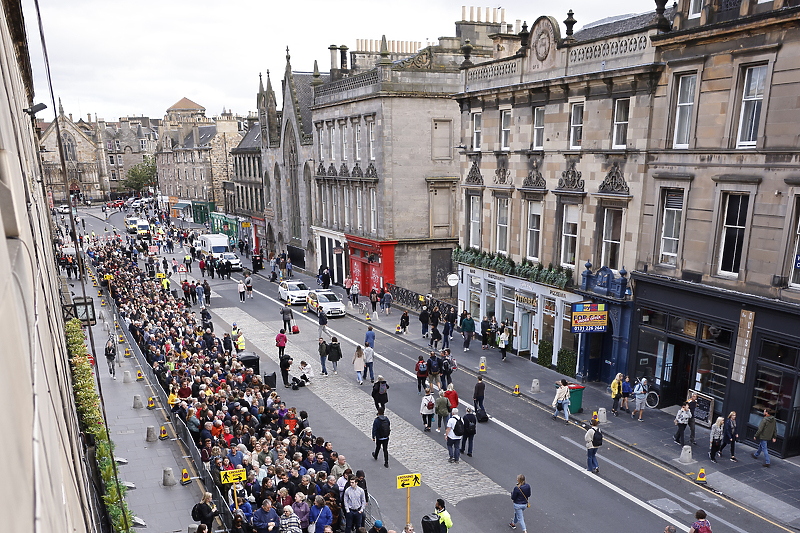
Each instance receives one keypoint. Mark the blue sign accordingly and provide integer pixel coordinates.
(797, 261)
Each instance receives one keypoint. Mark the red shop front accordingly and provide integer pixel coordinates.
(371, 262)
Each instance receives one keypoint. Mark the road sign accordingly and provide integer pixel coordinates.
(245, 224)
(108, 277)
(452, 280)
(233, 476)
(160, 275)
(406, 481)
(182, 269)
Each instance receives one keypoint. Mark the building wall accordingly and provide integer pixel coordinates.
(86, 158)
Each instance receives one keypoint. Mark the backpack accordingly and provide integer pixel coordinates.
(597, 438)
(196, 512)
(458, 430)
(383, 429)
(470, 427)
(430, 404)
(445, 365)
(453, 363)
(434, 365)
(704, 527)
(382, 387)
(423, 367)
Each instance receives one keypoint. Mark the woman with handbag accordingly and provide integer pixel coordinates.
(616, 393)
(715, 438)
(730, 435)
(561, 400)
(502, 342)
(520, 495)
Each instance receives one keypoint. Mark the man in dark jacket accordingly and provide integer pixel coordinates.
(468, 329)
(767, 429)
(323, 323)
(380, 436)
(424, 317)
(380, 393)
(470, 422)
(286, 364)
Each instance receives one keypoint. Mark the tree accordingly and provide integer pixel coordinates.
(141, 175)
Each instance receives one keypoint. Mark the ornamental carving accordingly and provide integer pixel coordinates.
(570, 180)
(474, 177)
(332, 170)
(535, 180)
(321, 169)
(542, 39)
(614, 182)
(357, 172)
(422, 60)
(503, 177)
(372, 172)
(609, 49)
(343, 170)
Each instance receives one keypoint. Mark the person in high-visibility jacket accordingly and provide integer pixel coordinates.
(240, 343)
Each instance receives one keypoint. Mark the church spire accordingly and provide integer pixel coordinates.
(60, 107)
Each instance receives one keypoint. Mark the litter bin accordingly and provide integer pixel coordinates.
(250, 360)
(258, 263)
(575, 398)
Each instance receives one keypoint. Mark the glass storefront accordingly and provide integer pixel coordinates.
(777, 388)
(491, 298)
(549, 320)
(507, 307)
(569, 340)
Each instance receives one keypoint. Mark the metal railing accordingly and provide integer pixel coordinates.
(414, 301)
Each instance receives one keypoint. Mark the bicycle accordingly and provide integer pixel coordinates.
(652, 399)
(362, 307)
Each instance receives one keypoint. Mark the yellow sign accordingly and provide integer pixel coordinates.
(421, 298)
(233, 476)
(589, 317)
(160, 275)
(108, 277)
(409, 480)
(245, 224)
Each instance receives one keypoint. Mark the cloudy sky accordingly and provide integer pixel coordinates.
(112, 58)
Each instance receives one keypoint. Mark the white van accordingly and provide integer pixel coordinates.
(215, 244)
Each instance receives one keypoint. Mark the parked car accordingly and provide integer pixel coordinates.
(330, 303)
(235, 263)
(294, 292)
(63, 209)
(115, 204)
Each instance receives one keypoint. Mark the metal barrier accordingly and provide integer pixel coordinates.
(414, 301)
(372, 512)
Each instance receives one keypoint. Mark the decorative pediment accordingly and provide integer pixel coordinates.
(372, 172)
(421, 60)
(474, 177)
(614, 182)
(503, 177)
(343, 171)
(357, 172)
(570, 180)
(332, 170)
(535, 180)
(321, 169)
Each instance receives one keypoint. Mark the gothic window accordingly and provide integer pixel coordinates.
(70, 148)
(290, 160)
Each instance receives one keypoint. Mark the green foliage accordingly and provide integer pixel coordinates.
(556, 276)
(567, 361)
(141, 175)
(545, 353)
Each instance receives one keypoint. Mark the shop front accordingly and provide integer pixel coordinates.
(259, 234)
(227, 225)
(201, 211)
(332, 253)
(742, 351)
(371, 262)
(539, 316)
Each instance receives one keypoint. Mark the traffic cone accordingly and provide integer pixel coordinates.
(368, 319)
(701, 477)
(121, 339)
(127, 352)
(102, 303)
(516, 390)
(483, 364)
(185, 477)
(163, 435)
(305, 309)
(594, 415)
(99, 293)
(398, 329)
(151, 403)
(139, 376)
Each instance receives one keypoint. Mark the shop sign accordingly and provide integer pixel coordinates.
(558, 294)
(743, 340)
(245, 224)
(529, 303)
(526, 286)
(589, 318)
(797, 261)
(495, 276)
(338, 250)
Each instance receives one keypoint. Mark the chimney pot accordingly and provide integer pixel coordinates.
(463, 13)
(479, 14)
(471, 13)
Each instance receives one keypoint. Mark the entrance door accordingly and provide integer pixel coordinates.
(524, 332)
(676, 372)
(595, 346)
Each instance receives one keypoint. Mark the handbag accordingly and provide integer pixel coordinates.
(312, 527)
(527, 503)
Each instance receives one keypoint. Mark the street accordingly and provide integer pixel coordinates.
(630, 492)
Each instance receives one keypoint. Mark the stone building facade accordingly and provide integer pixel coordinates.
(386, 168)
(193, 158)
(125, 144)
(246, 196)
(83, 154)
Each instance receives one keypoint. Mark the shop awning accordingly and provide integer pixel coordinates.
(182, 205)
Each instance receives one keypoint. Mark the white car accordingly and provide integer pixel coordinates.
(63, 209)
(235, 263)
(294, 292)
(328, 300)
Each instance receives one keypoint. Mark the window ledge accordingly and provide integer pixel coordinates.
(737, 178)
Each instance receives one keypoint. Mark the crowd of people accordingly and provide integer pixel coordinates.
(294, 478)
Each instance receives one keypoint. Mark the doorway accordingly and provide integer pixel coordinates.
(676, 371)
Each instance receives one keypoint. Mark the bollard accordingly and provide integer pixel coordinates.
(686, 455)
(192, 528)
(151, 434)
(535, 386)
(126, 377)
(169, 477)
(601, 415)
(482, 367)
(137, 402)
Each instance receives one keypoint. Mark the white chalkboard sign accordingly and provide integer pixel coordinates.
(704, 412)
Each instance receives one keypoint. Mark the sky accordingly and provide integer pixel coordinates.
(112, 58)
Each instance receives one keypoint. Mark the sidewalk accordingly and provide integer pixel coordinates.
(774, 491)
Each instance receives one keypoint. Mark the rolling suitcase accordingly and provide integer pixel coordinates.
(481, 415)
(295, 329)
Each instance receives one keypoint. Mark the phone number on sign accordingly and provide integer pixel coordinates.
(588, 329)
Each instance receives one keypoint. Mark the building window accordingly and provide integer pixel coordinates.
(569, 340)
(475, 221)
(752, 100)
(795, 279)
(505, 129)
(143, 144)
(733, 229)
(372, 141)
(502, 225)
(612, 238)
(534, 229)
(359, 209)
(576, 127)
(683, 111)
(346, 192)
(476, 131)
(695, 6)
(569, 235)
(344, 142)
(114, 175)
(373, 206)
(538, 128)
(111, 159)
(334, 206)
(321, 144)
(109, 146)
(671, 227)
(621, 108)
(358, 142)
(324, 195)
(116, 145)
(332, 137)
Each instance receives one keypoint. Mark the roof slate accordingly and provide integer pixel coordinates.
(251, 140)
(305, 97)
(631, 24)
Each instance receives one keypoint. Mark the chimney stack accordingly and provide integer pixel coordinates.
(333, 48)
